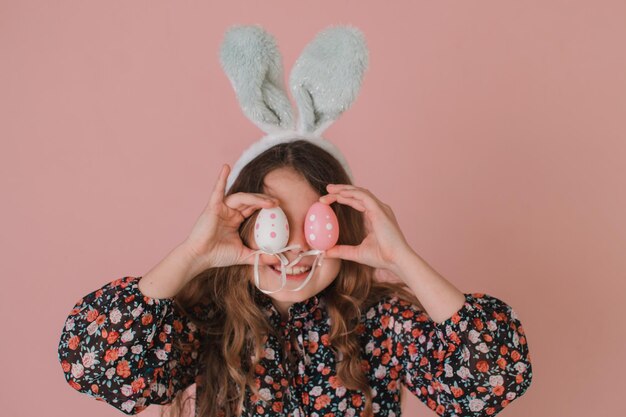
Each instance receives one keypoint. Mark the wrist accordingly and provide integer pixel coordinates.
(191, 258)
(405, 257)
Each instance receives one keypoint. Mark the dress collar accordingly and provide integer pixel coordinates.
(298, 310)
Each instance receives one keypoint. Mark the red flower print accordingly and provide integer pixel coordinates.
(259, 369)
(455, 319)
(123, 369)
(456, 391)
(177, 325)
(321, 402)
(113, 336)
(73, 342)
(482, 366)
(386, 344)
(138, 384)
(393, 385)
(146, 319)
(335, 381)
(92, 315)
(455, 338)
(101, 318)
(478, 324)
(407, 314)
(110, 355)
(501, 362)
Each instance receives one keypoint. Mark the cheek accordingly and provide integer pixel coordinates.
(331, 268)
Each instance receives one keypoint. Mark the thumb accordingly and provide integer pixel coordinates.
(347, 252)
(247, 257)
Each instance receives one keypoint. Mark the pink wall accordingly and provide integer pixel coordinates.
(500, 127)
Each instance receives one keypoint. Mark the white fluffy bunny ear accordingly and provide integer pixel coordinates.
(327, 76)
(251, 60)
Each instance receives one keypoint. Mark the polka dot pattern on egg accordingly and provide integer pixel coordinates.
(322, 226)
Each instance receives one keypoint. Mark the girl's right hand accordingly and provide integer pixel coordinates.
(214, 240)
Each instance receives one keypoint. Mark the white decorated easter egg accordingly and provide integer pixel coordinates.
(321, 227)
(271, 230)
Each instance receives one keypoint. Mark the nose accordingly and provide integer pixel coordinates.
(297, 237)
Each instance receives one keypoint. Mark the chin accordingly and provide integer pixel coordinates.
(292, 296)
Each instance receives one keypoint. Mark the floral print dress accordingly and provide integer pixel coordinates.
(117, 345)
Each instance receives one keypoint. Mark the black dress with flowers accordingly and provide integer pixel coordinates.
(117, 346)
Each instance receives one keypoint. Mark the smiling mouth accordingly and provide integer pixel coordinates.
(296, 272)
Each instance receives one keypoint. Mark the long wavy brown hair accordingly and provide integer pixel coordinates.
(236, 328)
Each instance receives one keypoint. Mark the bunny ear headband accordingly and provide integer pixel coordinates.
(324, 81)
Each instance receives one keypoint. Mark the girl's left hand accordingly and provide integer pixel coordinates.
(384, 242)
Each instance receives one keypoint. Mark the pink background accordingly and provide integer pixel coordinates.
(495, 130)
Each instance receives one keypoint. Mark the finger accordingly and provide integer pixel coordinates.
(249, 211)
(338, 186)
(265, 196)
(346, 252)
(333, 188)
(365, 197)
(264, 259)
(239, 201)
(220, 186)
(341, 187)
(352, 202)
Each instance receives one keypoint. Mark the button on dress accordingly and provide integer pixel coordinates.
(116, 345)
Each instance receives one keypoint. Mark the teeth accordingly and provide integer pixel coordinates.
(295, 271)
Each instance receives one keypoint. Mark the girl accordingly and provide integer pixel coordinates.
(330, 341)
(344, 345)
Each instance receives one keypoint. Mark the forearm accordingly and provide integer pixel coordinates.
(437, 295)
(171, 274)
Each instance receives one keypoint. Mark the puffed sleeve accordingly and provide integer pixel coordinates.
(474, 363)
(117, 345)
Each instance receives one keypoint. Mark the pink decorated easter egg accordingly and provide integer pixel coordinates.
(321, 227)
(271, 229)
